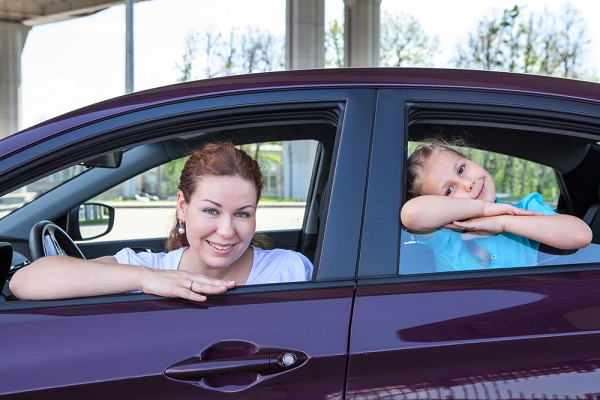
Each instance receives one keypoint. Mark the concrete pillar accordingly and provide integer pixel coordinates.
(305, 34)
(12, 40)
(361, 33)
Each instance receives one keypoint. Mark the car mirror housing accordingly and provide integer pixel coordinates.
(90, 221)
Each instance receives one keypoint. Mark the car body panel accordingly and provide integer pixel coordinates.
(121, 349)
(478, 338)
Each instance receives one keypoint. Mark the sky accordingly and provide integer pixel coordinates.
(70, 64)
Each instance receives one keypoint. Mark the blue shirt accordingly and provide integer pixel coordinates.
(504, 250)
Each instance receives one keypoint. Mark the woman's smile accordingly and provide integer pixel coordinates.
(220, 221)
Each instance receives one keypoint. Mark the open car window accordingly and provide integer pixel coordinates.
(287, 168)
(515, 179)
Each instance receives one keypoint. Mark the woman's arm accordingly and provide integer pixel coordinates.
(430, 212)
(59, 277)
(560, 230)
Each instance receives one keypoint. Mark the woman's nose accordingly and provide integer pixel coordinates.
(225, 228)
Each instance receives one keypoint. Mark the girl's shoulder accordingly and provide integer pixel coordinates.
(534, 202)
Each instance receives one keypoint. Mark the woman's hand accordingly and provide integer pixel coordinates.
(183, 284)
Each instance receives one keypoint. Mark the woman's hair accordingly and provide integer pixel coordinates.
(215, 159)
(417, 162)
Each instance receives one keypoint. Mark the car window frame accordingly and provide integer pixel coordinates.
(353, 128)
(381, 244)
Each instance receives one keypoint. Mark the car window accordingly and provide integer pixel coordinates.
(514, 179)
(22, 196)
(287, 169)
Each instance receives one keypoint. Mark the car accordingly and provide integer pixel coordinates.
(377, 320)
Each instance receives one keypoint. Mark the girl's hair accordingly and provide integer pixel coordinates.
(215, 159)
(418, 160)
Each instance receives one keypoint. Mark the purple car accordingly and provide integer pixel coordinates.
(379, 319)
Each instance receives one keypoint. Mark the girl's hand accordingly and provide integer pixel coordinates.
(183, 284)
(493, 209)
(485, 226)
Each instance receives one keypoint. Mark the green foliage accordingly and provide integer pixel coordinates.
(253, 50)
(171, 173)
(538, 44)
(404, 43)
(334, 45)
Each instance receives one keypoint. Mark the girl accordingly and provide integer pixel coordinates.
(211, 248)
(448, 190)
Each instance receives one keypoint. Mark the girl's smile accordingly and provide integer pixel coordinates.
(451, 174)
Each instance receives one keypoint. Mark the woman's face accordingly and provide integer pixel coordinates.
(450, 174)
(220, 219)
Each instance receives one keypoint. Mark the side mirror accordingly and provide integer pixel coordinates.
(90, 221)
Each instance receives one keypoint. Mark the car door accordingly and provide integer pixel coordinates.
(522, 332)
(256, 342)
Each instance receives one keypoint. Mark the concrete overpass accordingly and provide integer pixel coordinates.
(305, 27)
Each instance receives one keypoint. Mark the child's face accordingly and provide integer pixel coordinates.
(450, 174)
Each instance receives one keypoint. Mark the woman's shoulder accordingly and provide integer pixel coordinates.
(280, 265)
(278, 255)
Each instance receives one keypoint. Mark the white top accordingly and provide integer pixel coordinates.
(268, 266)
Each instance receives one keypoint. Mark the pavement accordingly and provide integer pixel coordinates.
(137, 219)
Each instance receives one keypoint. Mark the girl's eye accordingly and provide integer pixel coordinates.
(211, 211)
(461, 169)
(449, 191)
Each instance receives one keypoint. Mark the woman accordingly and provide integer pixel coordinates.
(211, 247)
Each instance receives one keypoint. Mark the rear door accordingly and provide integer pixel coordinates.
(524, 332)
(257, 342)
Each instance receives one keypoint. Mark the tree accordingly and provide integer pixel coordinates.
(254, 50)
(188, 57)
(540, 44)
(334, 45)
(404, 43)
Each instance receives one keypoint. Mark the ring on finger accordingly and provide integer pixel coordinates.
(191, 284)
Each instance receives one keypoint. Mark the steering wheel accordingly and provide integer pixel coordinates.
(48, 239)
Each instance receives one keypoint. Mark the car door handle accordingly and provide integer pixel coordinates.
(261, 361)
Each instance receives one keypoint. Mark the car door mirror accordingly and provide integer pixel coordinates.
(90, 221)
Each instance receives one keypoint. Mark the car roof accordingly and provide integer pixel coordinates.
(315, 78)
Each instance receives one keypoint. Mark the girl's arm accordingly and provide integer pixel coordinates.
(430, 212)
(560, 231)
(60, 277)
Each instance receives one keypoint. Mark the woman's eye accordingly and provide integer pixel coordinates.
(211, 211)
(242, 214)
